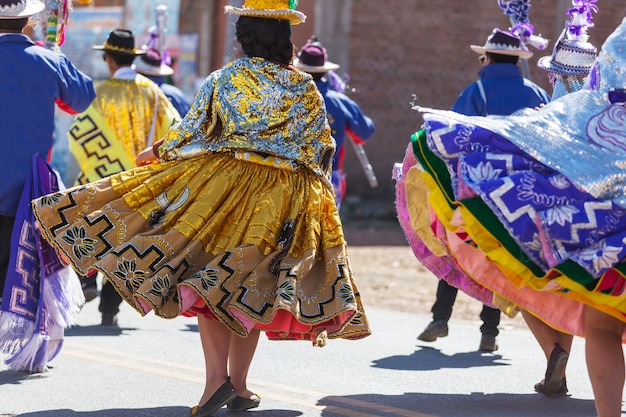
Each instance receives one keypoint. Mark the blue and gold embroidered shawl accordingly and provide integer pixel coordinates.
(255, 105)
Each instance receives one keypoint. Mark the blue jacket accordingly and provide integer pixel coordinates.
(506, 91)
(344, 114)
(32, 80)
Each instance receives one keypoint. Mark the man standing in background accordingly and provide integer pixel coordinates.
(500, 90)
(344, 114)
(130, 112)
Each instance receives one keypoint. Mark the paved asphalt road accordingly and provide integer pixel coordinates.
(154, 367)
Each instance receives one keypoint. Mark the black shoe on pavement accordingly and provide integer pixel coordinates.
(242, 403)
(562, 391)
(435, 329)
(488, 343)
(557, 363)
(223, 395)
(109, 319)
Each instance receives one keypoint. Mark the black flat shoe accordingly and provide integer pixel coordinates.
(222, 396)
(562, 391)
(556, 366)
(242, 403)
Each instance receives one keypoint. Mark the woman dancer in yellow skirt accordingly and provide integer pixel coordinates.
(230, 217)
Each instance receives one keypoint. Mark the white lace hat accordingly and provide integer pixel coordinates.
(17, 9)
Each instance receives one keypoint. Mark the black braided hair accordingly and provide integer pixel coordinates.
(269, 39)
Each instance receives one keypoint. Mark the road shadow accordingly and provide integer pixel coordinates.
(430, 359)
(9, 376)
(98, 330)
(155, 412)
(458, 405)
(191, 328)
(259, 413)
(117, 412)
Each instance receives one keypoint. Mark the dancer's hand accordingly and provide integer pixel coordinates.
(146, 157)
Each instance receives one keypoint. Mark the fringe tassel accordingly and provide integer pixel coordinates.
(55, 339)
(14, 332)
(33, 357)
(63, 297)
(54, 348)
(29, 350)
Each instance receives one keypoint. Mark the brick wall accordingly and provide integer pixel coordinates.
(401, 48)
(405, 48)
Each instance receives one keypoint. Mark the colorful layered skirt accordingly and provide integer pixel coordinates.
(532, 206)
(244, 239)
(497, 219)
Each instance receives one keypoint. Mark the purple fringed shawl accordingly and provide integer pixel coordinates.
(41, 296)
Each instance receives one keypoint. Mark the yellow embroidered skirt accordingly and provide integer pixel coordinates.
(246, 240)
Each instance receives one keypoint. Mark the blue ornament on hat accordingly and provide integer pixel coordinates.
(517, 10)
(153, 62)
(17, 9)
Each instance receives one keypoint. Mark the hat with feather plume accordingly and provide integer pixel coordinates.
(573, 54)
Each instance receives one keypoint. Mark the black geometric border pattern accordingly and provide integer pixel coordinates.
(95, 146)
(134, 265)
(209, 278)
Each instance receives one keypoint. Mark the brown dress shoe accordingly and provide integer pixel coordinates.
(435, 329)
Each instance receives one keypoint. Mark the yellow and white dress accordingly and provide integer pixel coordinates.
(238, 221)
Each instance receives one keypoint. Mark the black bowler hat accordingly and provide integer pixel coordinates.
(120, 41)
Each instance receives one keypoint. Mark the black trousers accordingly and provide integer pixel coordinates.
(6, 228)
(110, 300)
(442, 309)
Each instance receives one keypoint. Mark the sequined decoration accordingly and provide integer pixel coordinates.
(252, 104)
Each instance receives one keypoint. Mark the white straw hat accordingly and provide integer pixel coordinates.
(17, 9)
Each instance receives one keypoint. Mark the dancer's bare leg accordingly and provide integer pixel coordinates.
(215, 338)
(239, 359)
(605, 361)
(547, 336)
